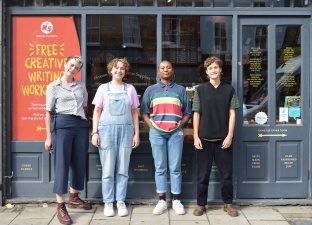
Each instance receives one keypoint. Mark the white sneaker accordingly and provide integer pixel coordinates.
(160, 208)
(178, 207)
(122, 208)
(109, 209)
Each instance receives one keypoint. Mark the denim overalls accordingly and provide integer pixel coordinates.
(116, 132)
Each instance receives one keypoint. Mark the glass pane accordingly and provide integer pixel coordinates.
(70, 2)
(16, 3)
(108, 2)
(145, 2)
(184, 2)
(188, 40)
(165, 2)
(130, 36)
(262, 3)
(203, 3)
(301, 3)
(221, 3)
(90, 2)
(33, 2)
(51, 2)
(242, 3)
(281, 3)
(255, 74)
(288, 74)
(127, 2)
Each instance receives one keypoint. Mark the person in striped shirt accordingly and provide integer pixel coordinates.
(165, 108)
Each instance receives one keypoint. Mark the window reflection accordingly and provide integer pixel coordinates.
(130, 36)
(288, 74)
(255, 72)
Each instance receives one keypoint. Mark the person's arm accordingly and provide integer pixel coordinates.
(228, 140)
(95, 125)
(48, 141)
(184, 120)
(146, 119)
(136, 137)
(197, 141)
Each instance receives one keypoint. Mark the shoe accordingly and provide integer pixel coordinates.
(199, 210)
(160, 208)
(109, 209)
(62, 214)
(122, 208)
(230, 210)
(178, 207)
(75, 202)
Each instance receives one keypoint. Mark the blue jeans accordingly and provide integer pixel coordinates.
(115, 150)
(167, 148)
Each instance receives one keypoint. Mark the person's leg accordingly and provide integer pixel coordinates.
(159, 152)
(122, 165)
(224, 162)
(78, 168)
(204, 160)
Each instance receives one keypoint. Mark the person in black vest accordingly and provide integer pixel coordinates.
(214, 106)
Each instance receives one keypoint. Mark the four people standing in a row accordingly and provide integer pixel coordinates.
(165, 108)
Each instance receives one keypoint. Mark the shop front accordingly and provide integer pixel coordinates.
(266, 58)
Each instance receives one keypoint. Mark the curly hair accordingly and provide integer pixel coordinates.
(208, 61)
(114, 62)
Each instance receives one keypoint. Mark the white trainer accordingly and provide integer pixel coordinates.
(160, 208)
(122, 208)
(109, 209)
(178, 207)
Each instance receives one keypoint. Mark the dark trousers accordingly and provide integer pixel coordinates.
(70, 147)
(223, 159)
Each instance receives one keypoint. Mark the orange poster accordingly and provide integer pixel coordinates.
(39, 49)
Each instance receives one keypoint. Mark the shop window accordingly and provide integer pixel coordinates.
(51, 2)
(166, 2)
(130, 36)
(184, 2)
(288, 75)
(301, 3)
(34, 3)
(131, 31)
(70, 2)
(127, 2)
(242, 3)
(145, 2)
(108, 3)
(203, 3)
(221, 3)
(262, 3)
(281, 3)
(220, 37)
(90, 2)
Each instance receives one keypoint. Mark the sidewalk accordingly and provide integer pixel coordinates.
(142, 215)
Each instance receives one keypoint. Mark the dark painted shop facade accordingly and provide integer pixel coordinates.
(266, 49)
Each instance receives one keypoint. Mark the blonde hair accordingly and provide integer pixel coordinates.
(77, 59)
(114, 62)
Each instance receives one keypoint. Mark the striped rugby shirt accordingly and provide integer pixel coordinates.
(166, 105)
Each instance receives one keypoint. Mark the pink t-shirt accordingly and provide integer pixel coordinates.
(99, 98)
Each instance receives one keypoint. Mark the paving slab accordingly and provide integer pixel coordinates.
(268, 222)
(35, 212)
(302, 222)
(7, 217)
(227, 220)
(30, 221)
(189, 222)
(78, 218)
(188, 216)
(261, 213)
(115, 222)
(294, 209)
(142, 209)
(98, 215)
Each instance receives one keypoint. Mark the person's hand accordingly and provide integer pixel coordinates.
(227, 142)
(197, 144)
(95, 140)
(48, 145)
(135, 141)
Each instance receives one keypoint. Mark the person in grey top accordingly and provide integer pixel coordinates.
(67, 135)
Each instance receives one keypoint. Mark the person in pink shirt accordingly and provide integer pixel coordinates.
(115, 132)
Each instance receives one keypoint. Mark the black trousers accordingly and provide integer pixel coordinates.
(223, 159)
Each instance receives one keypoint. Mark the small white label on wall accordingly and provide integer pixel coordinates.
(261, 118)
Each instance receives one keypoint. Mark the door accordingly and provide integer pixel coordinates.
(273, 121)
